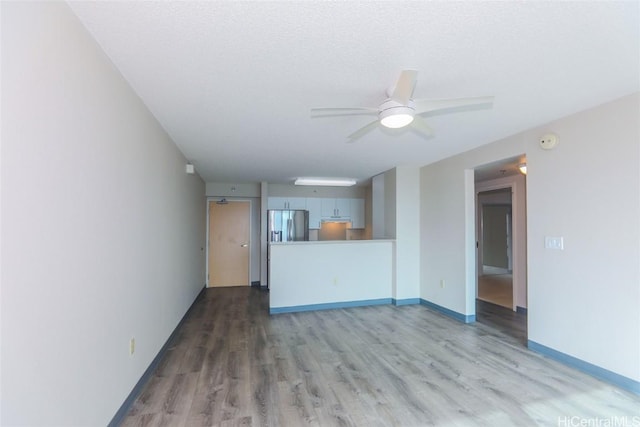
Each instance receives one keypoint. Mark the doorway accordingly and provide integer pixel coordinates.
(229, 224)
(495, 278)
(502, 186)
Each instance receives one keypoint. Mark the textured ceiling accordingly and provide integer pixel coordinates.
(233, 82)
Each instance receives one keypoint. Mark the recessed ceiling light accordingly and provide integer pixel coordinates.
(329, 182)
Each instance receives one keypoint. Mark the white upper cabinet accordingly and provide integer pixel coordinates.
(287, 203)
(314, 206)
(328, 207)
(323, 209)
(357, 213)
(336, 208)
(343, 208)
(297, 203)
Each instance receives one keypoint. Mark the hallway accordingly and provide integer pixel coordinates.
(496, 289)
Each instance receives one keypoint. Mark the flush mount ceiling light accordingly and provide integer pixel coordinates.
(327, 182)
(523, 168)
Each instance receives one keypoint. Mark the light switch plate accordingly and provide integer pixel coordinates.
(554, 242)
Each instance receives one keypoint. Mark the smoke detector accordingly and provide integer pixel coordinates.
(548, 141)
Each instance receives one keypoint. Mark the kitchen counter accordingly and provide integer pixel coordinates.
(322, 242)
(325, 274)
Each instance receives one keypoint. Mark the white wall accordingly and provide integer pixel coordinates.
(284, 190)
(307, 273)
(225, 189)
(442, 234)
(390, 204)
(583, 301)
(264, 241)
(368, 213)
(396, 215)
(102, 230)
(407, 232)
(377, 207)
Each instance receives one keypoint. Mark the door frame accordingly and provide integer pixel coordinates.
(228, 199)
(515, 237)
(480, 232)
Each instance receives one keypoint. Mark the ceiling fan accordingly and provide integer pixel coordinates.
(400, 109)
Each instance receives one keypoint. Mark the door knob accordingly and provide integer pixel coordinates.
(244, 245)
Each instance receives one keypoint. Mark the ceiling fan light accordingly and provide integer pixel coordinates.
(395, 116)
(396, 121)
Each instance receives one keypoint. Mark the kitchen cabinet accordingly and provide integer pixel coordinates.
(335, 208)
(323, 209)
(315, 212)
(357, 213)
(314, 206)
(287, 203)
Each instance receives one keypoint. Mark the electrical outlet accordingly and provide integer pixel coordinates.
(132, 346)
(442, 283)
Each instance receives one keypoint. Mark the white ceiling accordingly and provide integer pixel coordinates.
(233, 82)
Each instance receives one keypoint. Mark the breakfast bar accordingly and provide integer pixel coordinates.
(316, 275)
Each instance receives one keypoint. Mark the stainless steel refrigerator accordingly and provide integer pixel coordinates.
(287, 225)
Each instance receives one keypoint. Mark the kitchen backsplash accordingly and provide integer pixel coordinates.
(352, 234)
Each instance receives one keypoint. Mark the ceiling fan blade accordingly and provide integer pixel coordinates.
(420, 126)
(426, 105)
(404, 87)
(363, 131)
(347, 111)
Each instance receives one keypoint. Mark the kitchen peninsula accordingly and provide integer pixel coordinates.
(315, 275)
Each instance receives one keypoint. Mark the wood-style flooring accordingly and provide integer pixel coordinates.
(496, 288)
(234, 365)
(503, 320)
